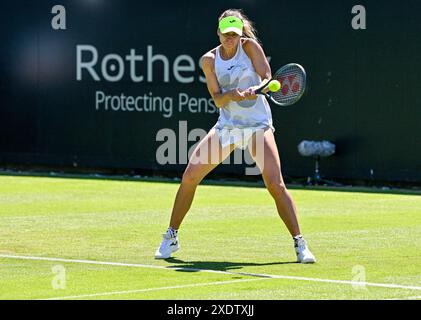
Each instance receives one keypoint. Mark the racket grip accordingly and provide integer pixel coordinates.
(253, 91)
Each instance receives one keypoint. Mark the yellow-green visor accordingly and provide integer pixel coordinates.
(231, 24)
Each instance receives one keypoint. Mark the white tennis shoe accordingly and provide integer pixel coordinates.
(304, 254)
(169, 245)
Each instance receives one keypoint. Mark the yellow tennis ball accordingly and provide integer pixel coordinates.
(274, 85)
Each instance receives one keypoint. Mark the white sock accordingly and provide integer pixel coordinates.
(297, 237)
(172, 232)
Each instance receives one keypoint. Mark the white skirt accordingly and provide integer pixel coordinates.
(240, 137)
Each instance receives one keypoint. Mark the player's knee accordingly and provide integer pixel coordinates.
(190, 178)
(276, 186)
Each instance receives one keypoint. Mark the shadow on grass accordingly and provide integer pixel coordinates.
(224, 266)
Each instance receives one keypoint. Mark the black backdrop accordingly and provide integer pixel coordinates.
(363, 92)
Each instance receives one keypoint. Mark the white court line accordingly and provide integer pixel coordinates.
(271, 276)
(154, 289)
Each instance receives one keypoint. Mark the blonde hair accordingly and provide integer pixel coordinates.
(248, 30)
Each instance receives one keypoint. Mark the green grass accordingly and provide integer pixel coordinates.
(229, 228)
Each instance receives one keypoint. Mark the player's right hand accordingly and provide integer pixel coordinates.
(237, 95)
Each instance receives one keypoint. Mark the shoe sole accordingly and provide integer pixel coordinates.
(307, 261)
(166, 257)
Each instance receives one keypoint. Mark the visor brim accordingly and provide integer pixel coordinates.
(233, 29)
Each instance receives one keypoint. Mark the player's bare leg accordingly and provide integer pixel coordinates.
(207, 155)
(270, 165)
(267, 159)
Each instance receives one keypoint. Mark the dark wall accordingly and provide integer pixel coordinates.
(363, 91)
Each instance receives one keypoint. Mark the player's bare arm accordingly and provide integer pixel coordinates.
(220, 99)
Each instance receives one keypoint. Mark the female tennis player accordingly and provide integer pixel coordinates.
(233, 70)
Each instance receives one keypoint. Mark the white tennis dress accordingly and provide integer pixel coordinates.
(239, 120)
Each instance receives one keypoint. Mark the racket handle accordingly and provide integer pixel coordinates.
(262, 88)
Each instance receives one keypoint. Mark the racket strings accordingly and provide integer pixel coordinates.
(290, 89)
(292, 81)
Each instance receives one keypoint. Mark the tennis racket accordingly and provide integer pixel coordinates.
(292, 78)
